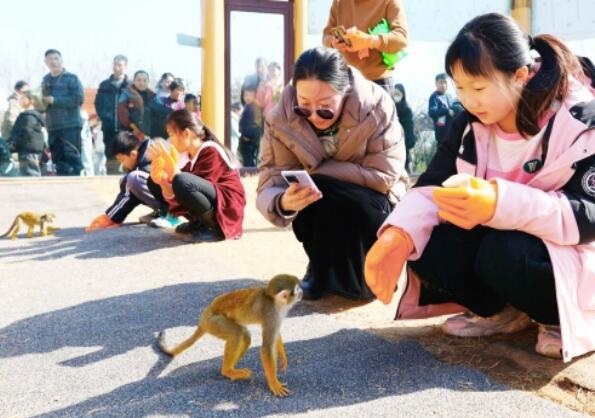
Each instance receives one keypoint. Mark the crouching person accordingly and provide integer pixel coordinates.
(132, 155)
(198, 179)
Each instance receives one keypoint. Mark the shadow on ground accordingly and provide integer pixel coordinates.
(127, 240)
(117, 324)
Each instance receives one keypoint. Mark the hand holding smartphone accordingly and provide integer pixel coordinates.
(297, 198)
(339, 34)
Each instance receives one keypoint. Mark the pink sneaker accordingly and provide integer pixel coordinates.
(549, 341)
(509, 320)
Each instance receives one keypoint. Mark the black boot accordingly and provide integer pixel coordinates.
(311, 288)
(209, 230)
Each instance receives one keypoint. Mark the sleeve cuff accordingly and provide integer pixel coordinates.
(288, 215)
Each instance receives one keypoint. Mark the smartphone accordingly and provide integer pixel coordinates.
(339, 33)
(299, 176)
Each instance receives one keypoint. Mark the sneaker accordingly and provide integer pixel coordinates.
(549, 341)
(509, 320)
(188, 228)
(168, 221)
(146, 219)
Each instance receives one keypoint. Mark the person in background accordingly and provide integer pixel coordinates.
(63, 95)
(99, 159)
(163, 85)
(106, 104)
(442, 107)
(192, 104)
(253, 80)
(269, 91)
(27, 138)
(162, 107)
(15, 107)
(134, 111)
(249, 128)
(405, 115)
(86, 146)
(367, 52)
(236, 112)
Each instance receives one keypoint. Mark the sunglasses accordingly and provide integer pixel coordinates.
(304, 112)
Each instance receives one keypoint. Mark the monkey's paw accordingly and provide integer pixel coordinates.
(278, 389)
(237, 374)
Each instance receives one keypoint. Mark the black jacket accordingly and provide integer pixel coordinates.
(106, 103)
(27, 132)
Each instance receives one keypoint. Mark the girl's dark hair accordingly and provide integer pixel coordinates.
(494, 42)
(324, 64)
(124, 143)
(403, 106)
(178, 82)
(183, 119)
(139, 72)
(190, 97)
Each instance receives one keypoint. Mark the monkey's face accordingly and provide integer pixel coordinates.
(49, 217)
(285, 289)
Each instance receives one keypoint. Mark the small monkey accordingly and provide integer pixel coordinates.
(31, 219)
(227, 316)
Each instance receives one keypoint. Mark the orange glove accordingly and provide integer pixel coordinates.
(466, 201)
(360, 40)
(101, 222)
(158, 174)
(385, 262)
(170, 160)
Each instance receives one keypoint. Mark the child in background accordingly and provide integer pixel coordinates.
(442, 107)
(269, 91)
(192, 104)
(249, 129)
(132, 155)
(27, 137)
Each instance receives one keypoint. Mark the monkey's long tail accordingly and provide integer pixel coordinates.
(12, 226)
(180, 347)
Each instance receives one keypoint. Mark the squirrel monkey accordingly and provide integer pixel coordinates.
(31, 219)
(227, 316)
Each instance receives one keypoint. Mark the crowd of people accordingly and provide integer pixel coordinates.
(52, 134)
(499, 230)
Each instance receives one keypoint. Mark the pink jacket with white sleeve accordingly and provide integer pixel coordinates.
(557, 206)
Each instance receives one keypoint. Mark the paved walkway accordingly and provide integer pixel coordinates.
(79, 315)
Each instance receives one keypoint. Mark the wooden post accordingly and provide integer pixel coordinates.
(521, 12)
(213, 66)
(300, 26)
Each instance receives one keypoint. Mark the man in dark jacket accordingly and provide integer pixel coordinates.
(442, 108)
(63, 94)
(27, 138)
(106, 103)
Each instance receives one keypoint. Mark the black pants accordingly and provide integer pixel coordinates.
(193, 193)
(386, 83)
(112, 165)
(249, 151)
(484, 269)
(65, 146)
(337, 231)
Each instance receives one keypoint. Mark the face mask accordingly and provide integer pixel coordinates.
(397, 97)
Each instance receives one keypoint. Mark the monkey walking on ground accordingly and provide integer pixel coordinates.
(227, 316)
(31, 219)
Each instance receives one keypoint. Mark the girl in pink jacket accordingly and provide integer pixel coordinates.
(502, 224)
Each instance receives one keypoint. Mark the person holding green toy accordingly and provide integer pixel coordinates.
(370, 34)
